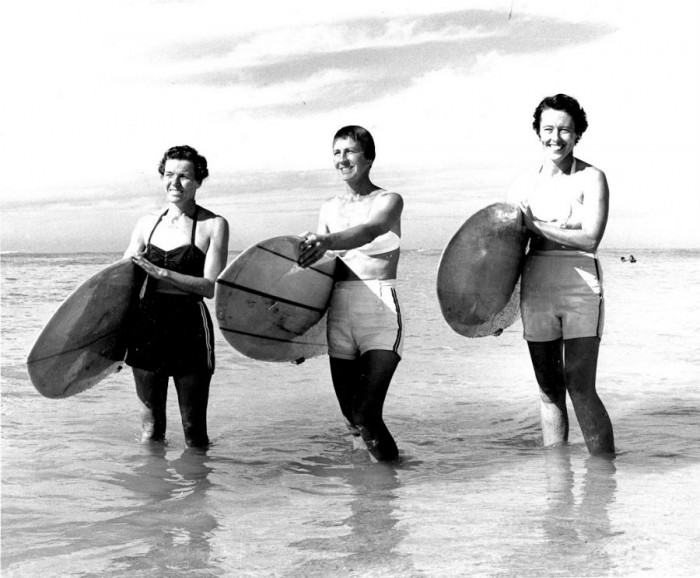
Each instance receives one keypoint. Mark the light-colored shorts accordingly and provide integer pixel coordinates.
(562, 296)
(364, 315)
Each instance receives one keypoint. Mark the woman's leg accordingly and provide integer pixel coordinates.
(346, 375)
(361, 388)
(193, 399)
(548, 363)
(152, 391)
(581, 363)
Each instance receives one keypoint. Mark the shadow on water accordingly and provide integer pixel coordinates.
(168, 532)
(371, 533)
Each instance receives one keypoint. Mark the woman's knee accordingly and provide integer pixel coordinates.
(366, 418)
(553, 395)
(581, 379)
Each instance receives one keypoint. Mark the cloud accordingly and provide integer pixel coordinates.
(319, 67)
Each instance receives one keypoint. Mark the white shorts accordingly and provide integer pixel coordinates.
(364, 315)
(562, 296)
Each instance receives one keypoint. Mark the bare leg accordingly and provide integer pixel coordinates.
(193, 398)
(152, 390)
(361, 388)
(581, 363)
(548, 363)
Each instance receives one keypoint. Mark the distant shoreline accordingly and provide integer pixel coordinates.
(607, 252)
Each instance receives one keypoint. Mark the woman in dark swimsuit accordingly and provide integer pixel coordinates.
(182, 250)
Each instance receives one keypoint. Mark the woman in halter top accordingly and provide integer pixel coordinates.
(565, 207)
(182, 250)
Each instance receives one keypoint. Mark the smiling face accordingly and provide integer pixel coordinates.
(557, 134)
(350, 161)
(179, 181)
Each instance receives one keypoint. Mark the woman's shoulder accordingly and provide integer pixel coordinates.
(592, 180)
(210, 221)
(388, 196)
(204, 214)
(149, 220)
(588, 170)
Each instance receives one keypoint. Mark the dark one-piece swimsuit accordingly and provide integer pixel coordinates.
(172, 334)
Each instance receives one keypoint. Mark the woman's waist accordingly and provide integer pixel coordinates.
(362, 295)
(372, 283)
(366, 268)
(541, 246)
(573, 253)
(158, 292)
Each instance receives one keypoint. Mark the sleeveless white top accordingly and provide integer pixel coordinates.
(560, 202)
(389, 241)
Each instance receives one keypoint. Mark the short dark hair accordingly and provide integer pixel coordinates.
(564, 103)
(186, 153)
(360, 135)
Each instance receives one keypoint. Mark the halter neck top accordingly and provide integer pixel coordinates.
(186, 259)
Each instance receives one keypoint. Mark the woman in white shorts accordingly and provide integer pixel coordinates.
(362, 224)
(565, 207)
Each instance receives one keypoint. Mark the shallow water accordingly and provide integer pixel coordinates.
(282, 493)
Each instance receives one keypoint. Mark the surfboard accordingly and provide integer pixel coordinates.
(84, 341)
(478, 281)
(268, 308)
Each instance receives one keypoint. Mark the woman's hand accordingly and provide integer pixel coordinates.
(529, 220)
(313, 247)
(154, 271)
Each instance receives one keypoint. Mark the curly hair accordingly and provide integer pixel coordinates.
(186, 153)
(566, 104)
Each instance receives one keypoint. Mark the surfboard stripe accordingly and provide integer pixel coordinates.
(270, 296)
(78, 347)
(398, 319)
(268, 338)
(293, 260)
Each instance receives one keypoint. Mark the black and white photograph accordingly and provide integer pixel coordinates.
(315, 289)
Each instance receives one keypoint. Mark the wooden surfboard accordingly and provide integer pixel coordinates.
(478, 282)
(85, 340)
(269, 308)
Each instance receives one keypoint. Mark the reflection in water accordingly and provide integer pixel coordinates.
(170, 530)
(576, 528)
(371, 544)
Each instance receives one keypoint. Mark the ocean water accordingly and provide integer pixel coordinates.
(282, 493)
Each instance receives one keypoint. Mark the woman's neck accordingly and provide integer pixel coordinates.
(176, 210)
(361, 189)
(552, 168)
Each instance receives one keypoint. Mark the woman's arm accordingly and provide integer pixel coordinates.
(137, 244)
(384, 214)
(596, 199)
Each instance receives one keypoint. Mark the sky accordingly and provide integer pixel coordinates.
(100, 89)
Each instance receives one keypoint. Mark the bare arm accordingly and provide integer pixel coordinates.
(383, 215)
(595, 217)
(217, 254)
(137, 243)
